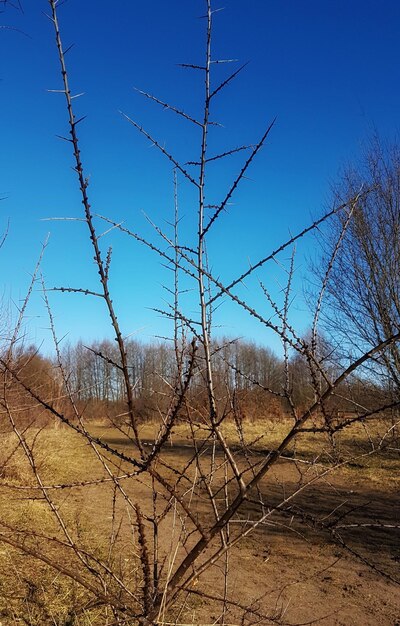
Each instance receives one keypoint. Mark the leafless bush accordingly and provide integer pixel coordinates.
(166, 531)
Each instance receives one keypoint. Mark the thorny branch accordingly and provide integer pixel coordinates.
(194, 502)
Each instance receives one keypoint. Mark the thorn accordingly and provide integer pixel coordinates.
(68, 49)
(64, 138)
(80, 120)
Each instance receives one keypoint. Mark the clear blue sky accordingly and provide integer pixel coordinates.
(328, 70)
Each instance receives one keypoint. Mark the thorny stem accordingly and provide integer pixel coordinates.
(287, 387)
(201, 269)
(179, 349)
(101, 266)
(200, 250)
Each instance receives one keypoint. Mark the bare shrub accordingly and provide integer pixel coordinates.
(152, 532)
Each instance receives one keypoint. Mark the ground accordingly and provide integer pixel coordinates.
(289, 568)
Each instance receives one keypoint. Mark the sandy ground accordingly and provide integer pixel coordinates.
(290, 568)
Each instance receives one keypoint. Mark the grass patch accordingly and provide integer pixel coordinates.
(98, 520)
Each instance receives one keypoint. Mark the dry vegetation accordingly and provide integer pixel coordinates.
(345, 590)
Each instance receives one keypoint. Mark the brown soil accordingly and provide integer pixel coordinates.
(292, 568)
(307, 571)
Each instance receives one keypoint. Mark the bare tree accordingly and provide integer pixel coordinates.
(364, 288)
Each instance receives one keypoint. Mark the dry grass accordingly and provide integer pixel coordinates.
(33, 593)
(369, 451)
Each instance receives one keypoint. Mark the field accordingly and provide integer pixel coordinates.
(291, 567)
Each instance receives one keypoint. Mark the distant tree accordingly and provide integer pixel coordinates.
(364, 287)
(35, 374)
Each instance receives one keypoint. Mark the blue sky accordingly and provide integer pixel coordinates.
(329, 72)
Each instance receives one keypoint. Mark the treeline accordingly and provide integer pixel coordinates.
(94, 368)
(251, 381)
(241, 369)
